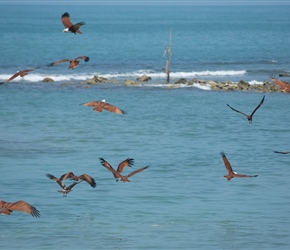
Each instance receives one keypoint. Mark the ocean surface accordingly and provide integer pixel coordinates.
(182, 200)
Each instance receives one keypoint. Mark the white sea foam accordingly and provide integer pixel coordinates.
(253, 82)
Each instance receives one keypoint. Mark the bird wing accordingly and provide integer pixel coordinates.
(19, 73)
(24, 207)
(244, 175)
(72, 185)
(88, 179)
(91, 104)
(279, 152)
(129, 162)
(14, 76)
(137, 171)
(110, 168)
(60, 182)
(58, 62)
(70, 175)
(65, 19)
(77, 26)
(259, 105)
(85, 58)
(237, 110)
(227, 163)
(111, 108)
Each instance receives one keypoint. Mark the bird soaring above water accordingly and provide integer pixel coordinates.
(249, 117)
(117, 173)
(129, 162)
(77, 179)
(20, 73)
(73, 63)
(22, 206)
(69, 26)
(100, 105)
(231, 173)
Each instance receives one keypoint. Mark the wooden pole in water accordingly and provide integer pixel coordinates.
(168, 54)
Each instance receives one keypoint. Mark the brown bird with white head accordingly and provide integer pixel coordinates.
(73, 63)
(69, 26)
(22, 206)
(100, 105)
(249, 117)
(231, 173)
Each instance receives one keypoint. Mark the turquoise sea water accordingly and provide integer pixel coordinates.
(182, 200)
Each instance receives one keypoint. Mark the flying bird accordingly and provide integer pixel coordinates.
(279, 152)
(129, 162)
(100, 105)
(21, 73)
(77, 179)
(69, 27)
(231, 173)
(73, 63)
(249, 117)
(22, 206)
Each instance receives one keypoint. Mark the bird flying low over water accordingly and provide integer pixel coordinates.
(100, 105)
(77, 179)
(73, 63)
(21, 73)
(22, 206)
(117, 173)
(69, 27)
(280, 152)
(249, 117)
(231, 173)
(129, 162)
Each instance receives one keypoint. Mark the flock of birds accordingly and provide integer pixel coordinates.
(73, 63)
(8, 207)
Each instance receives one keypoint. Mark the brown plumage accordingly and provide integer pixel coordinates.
(84, 177)
(249, 117)
(100, 105)
(231, 173)
(73, 63)
(21, 73)
(280, 152)
(77, 179)
(22, 206)
(285, 87)
(124, 178)
(129, 162)
(69, 26)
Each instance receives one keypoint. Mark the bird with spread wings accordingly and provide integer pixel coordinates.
(249, 117)
(69, 26)
(231, 173)
(22, 206)
(73, 63)
(100, 105)
(77, 179)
